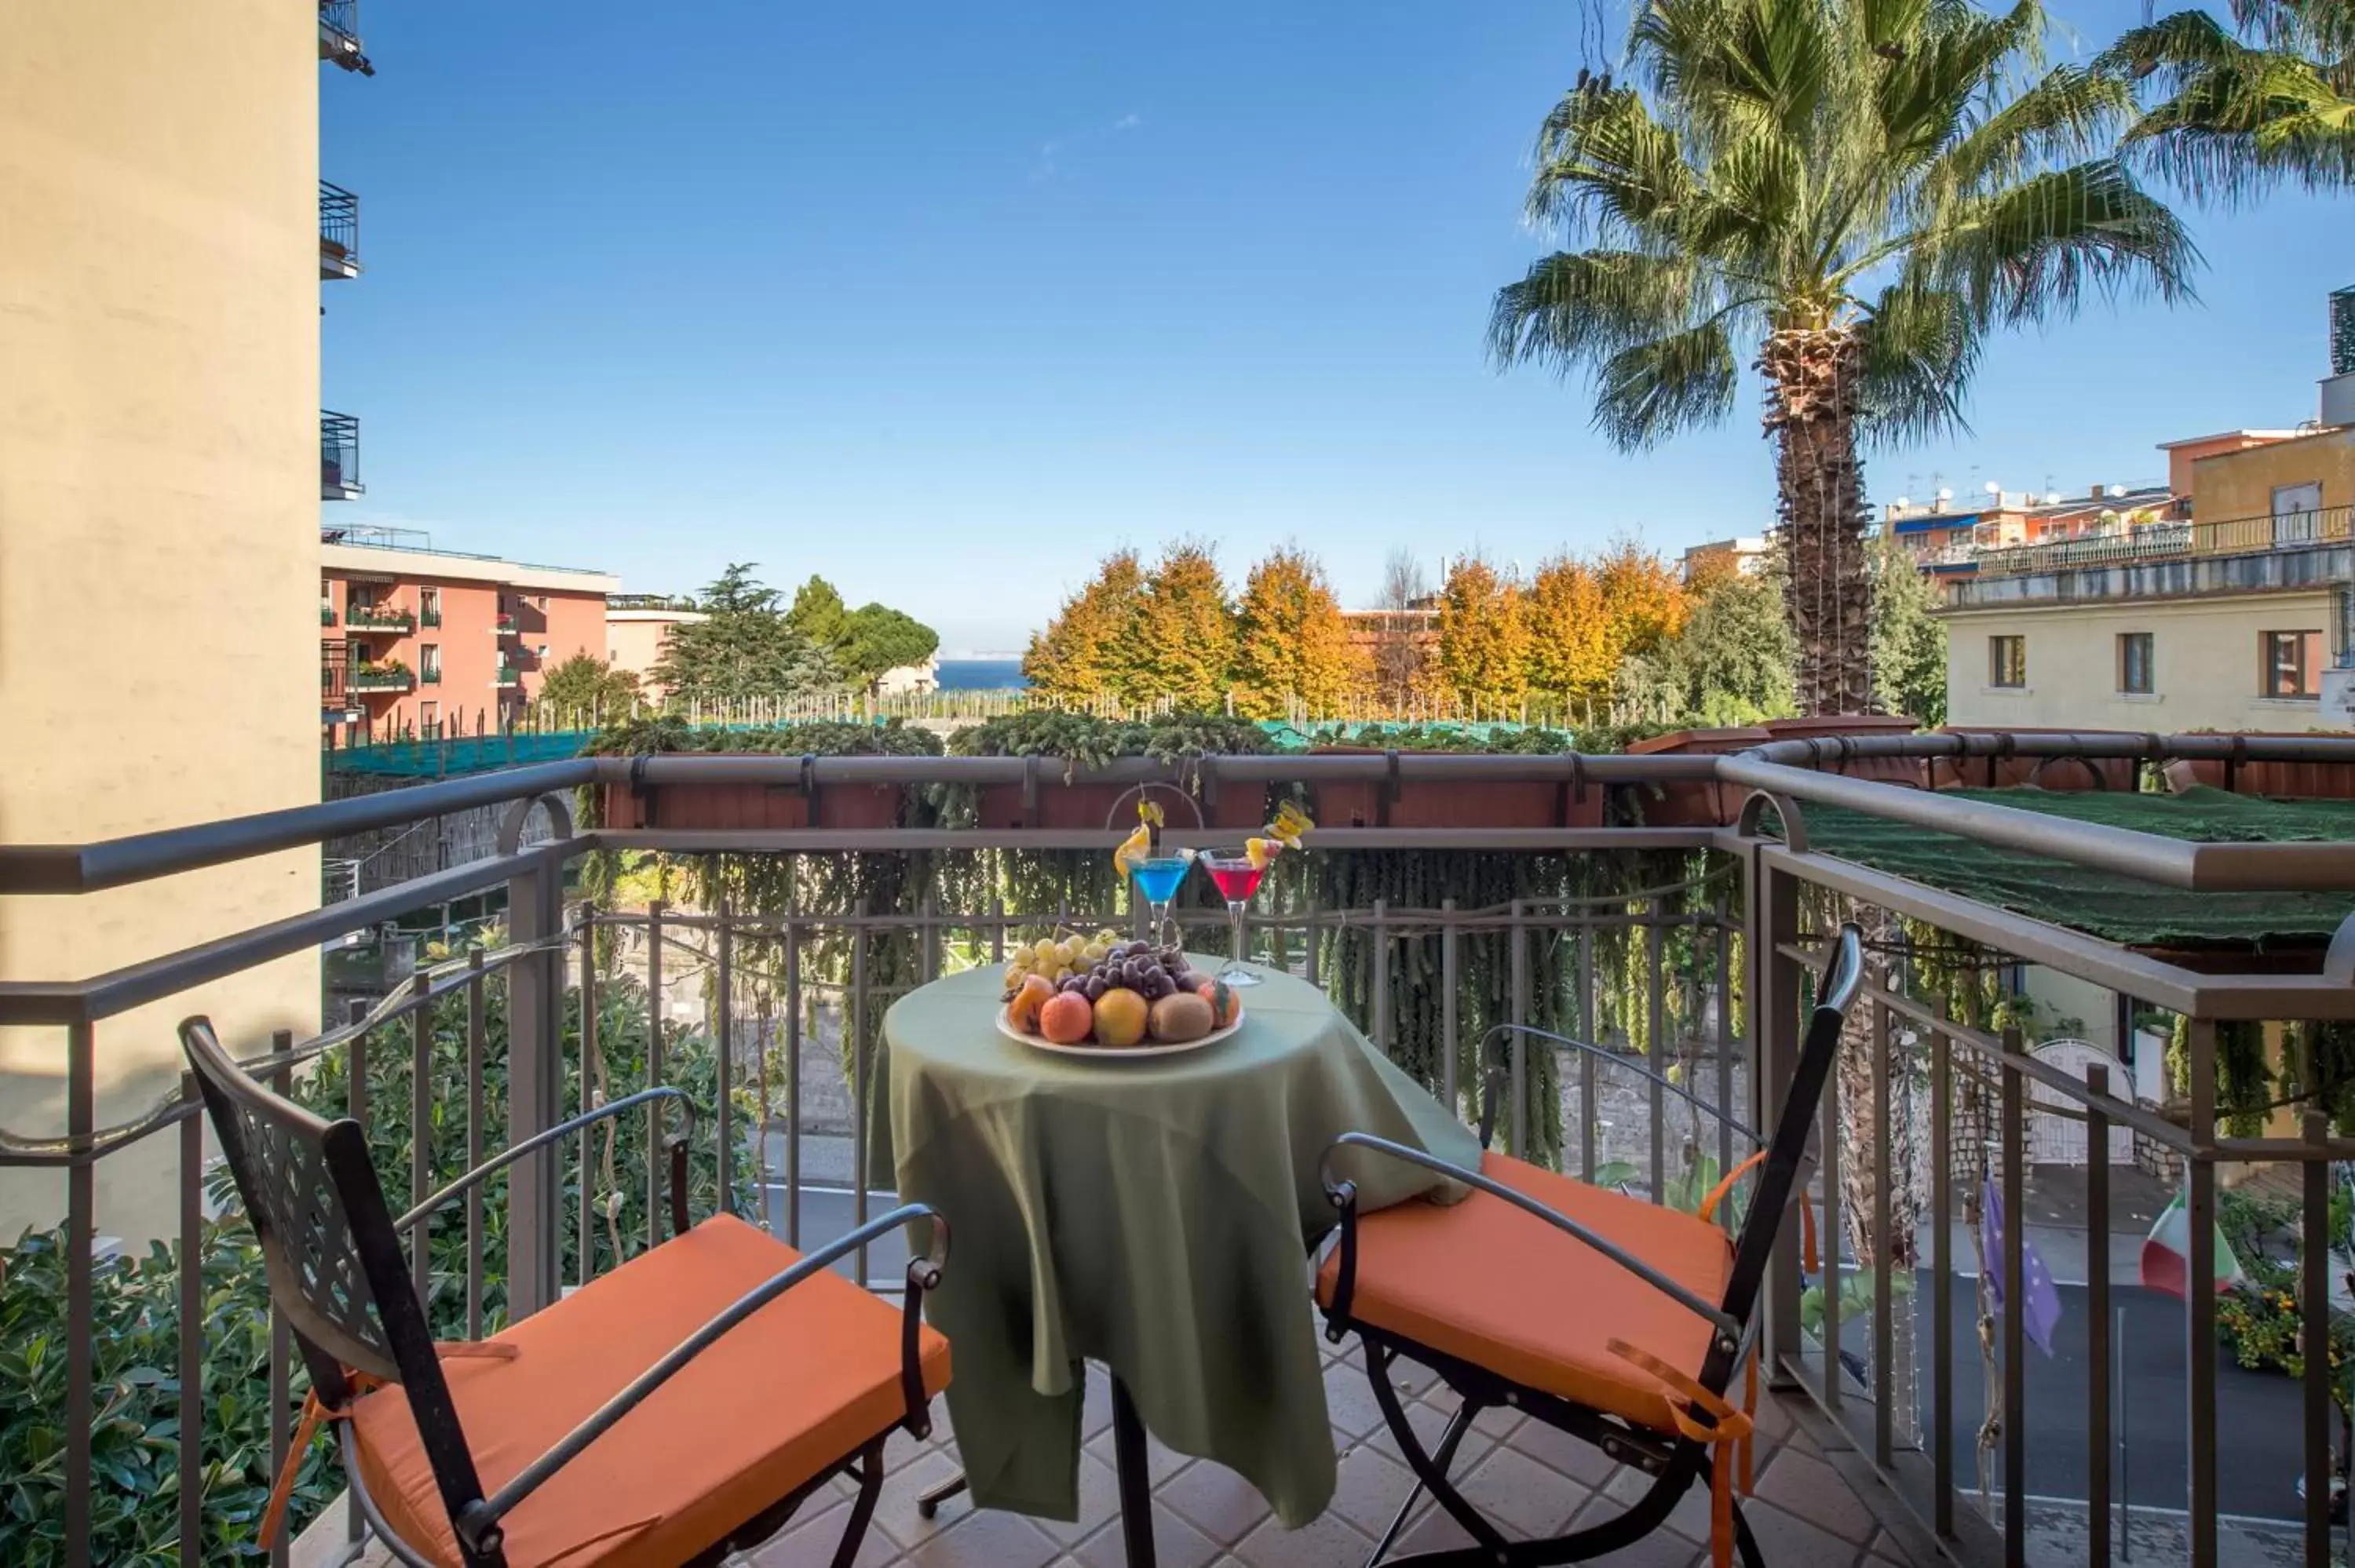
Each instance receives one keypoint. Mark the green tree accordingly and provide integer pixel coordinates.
(1908, 646)
(2229, 117)
(1184, 632)
(744, 648)
(1848, 195)
(1292, 642)
(818, 614)
(586, 688)
(1731, 662)
(881, 638)
(1083, 654)
(1484, 636)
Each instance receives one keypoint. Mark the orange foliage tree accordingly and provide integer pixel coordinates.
(1484, 636)
(1292, 643)
(1570, 630)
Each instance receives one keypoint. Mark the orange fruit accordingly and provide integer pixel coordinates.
(1120, 1018)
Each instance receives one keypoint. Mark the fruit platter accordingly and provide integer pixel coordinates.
(1098, 996)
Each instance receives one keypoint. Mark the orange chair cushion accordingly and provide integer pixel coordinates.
(1492, 1284)
(798, 1386)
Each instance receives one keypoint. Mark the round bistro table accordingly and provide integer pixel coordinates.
(1153, 1214)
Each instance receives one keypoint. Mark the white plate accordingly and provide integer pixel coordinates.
(1103, 1052)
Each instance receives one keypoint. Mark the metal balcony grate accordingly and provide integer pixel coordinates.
(339, 232)
(339, 456)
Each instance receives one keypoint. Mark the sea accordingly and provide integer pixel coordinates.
(982, 675)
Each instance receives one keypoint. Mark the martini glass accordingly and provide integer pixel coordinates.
(1157, 878)
(1237, 877)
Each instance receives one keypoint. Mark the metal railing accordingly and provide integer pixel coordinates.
(1700, 970)
(381, 678)
(339, 35)
(339, 232)
(339, 456)
(2163, 541)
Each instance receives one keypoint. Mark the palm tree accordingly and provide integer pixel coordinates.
(2233, 117)
(1850, 193)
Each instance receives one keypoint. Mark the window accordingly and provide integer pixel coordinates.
(429, 719)
(542, 655)
(2292, 664)
(429, 606)
(429, 661)
(2135, 663)
(2006, 661)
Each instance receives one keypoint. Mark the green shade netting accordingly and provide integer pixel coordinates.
(2105, 904)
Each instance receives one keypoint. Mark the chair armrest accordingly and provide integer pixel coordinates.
(1344, 1197)
(478, 1521)
(1496, 1074)
(506, 1157)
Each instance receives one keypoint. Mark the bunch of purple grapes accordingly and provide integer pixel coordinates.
(1153, 973)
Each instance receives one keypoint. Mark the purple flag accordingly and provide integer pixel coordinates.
(2040, 1313)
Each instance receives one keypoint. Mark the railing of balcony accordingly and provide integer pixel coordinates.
(1679, 947)
(339, 455)
(2161, 541)
(339, 227)
(388, 677)
(362, 617)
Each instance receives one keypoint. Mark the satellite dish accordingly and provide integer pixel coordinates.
(1993, 488)
(1945, 496)
(1902, 502)
(2051, 498)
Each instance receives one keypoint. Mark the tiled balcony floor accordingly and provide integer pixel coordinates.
(1529, 1479)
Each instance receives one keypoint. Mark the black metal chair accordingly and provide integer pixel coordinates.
(669, 1412)
(1612, 1318)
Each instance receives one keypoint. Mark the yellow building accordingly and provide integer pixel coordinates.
(159, 551)
(2311, 474)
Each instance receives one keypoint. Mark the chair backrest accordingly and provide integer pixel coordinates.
(330, 1251)
(1786, 1149)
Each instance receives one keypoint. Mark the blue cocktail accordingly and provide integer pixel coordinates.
(1157, 879)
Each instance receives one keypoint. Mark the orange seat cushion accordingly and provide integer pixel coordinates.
(800, 1386)
(1495, 1285)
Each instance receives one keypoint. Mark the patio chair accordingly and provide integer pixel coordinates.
(669, 1412)
(1614, 1320)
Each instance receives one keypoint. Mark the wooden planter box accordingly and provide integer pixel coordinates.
(1431, 803)
(2063, 773)
(1693, 804)
(1239, 807)
(709, 806)
(2277, 780)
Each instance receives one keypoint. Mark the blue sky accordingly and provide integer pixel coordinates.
(946, 301)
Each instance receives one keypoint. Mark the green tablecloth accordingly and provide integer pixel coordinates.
(1154, 1214)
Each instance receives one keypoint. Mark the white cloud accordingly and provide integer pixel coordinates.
(1128, 122)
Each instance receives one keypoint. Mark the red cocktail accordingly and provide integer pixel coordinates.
(1237, 874)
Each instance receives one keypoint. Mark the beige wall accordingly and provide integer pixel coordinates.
(633, 641)
(2242, 484)
(2205, 659)
(159, 340)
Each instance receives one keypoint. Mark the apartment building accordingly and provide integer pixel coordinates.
(637, 626)
(417, 640)
(159, 318)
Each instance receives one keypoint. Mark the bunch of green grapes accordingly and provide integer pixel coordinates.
(1056, 960)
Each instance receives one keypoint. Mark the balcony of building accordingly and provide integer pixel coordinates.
(1906, 1415)
(339, 35)
(327, 612)
(376, 615)
(340, 233)
(339, 457)
(381, 675)
(507, 673)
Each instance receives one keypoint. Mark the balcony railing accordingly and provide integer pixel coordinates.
(2163, 541)
(1682, 947)
(381, 678)
(506, 674)
(430, 616)
(430, 677)
(339, 35)
(379, 617)
(339, 457)
(339, 232)
(326, 615)
(503, 624)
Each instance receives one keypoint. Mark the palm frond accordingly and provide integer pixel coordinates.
(2232, 121)
(1606, 167)
(1650, 391)
(1582, 307)
(1921, 346)
(2032, 250)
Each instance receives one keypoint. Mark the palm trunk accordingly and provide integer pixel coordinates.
(1813, 376)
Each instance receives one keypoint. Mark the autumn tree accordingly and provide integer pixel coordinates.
(1185, 631)
(1570, 631)
(1734, 661)
(1085, 653)
(1292, 643)
(1644, 601)
(1484, 636)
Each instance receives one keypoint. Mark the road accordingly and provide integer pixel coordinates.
(2259, 1415)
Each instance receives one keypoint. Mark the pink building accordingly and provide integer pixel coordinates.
(417, 641)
